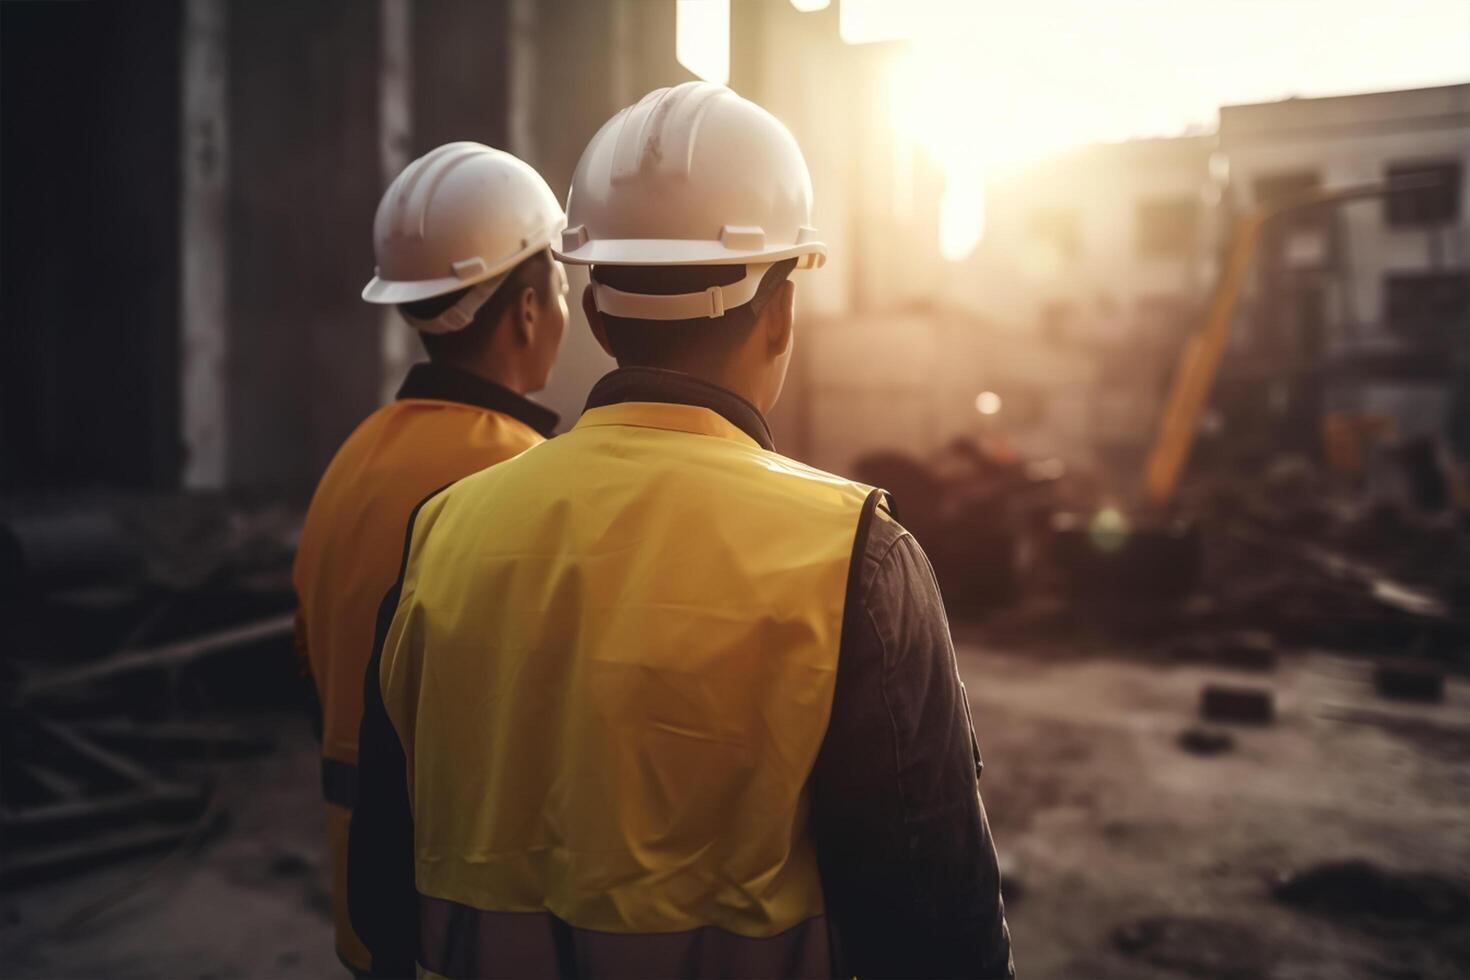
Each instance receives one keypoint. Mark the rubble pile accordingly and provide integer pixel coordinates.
(973, 507)
(131, 627)
(1314, 565)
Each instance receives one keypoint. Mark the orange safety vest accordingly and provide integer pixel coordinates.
(611, 668)
(441, 429)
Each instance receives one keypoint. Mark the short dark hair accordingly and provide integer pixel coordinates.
(679, 343)
(533, 273)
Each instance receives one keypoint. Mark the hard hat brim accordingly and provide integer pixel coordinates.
(676, 251)
(389, 292)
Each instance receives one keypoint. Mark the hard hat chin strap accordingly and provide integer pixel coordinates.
(713, 302)
(462, 313)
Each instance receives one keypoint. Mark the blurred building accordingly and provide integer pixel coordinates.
(189, 205)
(1363, 309)
(1097, 261)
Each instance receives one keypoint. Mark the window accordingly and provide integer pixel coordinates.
(1167, 226)
(1428, 306)
(1434, 200)
(1059, 227)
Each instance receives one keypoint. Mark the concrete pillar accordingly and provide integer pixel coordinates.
(395, 139)
(204, 245)
(521, 102)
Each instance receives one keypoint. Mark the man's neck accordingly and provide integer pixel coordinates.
(507, 375)
(728, 380)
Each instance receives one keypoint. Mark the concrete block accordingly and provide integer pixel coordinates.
(1206, 741)
(1238, 705)
(1409, 680)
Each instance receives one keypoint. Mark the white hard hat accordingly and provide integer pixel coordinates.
(691, 175)
(463, 214)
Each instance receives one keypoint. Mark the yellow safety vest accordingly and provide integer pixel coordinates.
(349, 555)
(611, 669)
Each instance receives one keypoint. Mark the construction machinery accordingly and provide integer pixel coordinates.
(1156, 553)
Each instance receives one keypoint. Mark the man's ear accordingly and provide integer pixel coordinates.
(527, 316)
(779, 318)
(594, 319)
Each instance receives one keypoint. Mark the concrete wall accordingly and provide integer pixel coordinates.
(1078, 323)
(303, 352)
(908, 381)
(1019, 271)
(326, 101)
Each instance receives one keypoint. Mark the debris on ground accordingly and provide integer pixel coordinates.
(1315, 562)
(971, 504)
(1206, 741)
(129, 621)
(1248, 650)
(1357, 888)
(1237, 705)
(1194, 946)
(1288, 558)
(1411, 680)
(1440, 739)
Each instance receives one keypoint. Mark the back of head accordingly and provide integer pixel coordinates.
(696, 345)
(463, 345)
(461, 232)
(692, 207)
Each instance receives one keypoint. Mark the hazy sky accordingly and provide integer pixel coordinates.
(987, 86)
(991, 85)
(1079, 70)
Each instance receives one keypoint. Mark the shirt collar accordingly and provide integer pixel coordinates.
(437, 382)
(646, 384)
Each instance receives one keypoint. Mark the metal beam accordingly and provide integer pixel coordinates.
(169, 655)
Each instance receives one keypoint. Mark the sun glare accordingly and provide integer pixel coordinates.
(987, 403)
(866, 21)
(976, 92)
(985, 89)
(961, 214)
(702, 38)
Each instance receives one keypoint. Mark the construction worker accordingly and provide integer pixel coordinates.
(462, 239)
(654, 700)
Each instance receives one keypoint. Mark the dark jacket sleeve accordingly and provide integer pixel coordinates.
(382, 897)
(908, 865)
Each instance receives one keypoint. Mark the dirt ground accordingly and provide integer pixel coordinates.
(248, 899)
(1126, 855)
(1130, 857)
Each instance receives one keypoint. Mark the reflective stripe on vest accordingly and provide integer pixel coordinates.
(458, 941)
(611, 668)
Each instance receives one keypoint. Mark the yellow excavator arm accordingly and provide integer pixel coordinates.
(1199, 360)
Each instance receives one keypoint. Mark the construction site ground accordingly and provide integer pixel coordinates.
(1126, 855)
